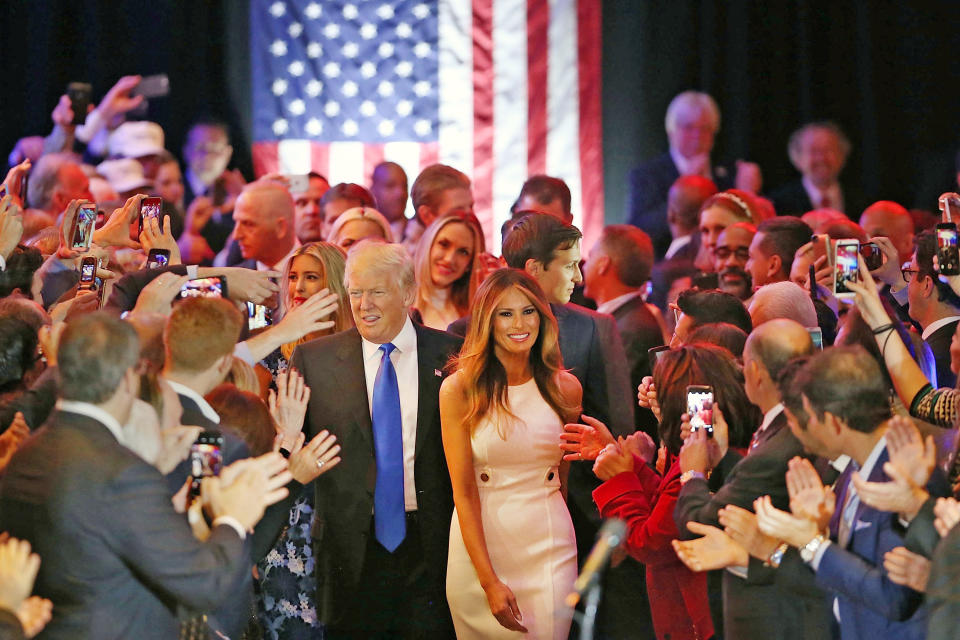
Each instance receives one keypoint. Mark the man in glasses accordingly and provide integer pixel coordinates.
(730, 259)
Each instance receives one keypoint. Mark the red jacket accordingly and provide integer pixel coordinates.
(678, 596)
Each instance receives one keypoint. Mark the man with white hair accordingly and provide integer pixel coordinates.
(783, 300)
(692, 121)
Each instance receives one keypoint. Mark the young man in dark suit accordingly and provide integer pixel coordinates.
(116, 558)
(383, 516)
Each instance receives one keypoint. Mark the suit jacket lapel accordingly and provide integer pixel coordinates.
(428, 389)
(351, 378)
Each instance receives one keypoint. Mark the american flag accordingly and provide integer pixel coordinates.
(500, 89)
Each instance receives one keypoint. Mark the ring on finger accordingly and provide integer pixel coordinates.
(320, 463)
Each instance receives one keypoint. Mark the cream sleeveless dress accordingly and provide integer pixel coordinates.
(526, 524)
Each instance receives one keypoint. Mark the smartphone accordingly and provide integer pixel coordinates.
(83, 226)
(299, 183)
(80, 94)
(212, 287)
(258, 316)
(158, 258)
(821, 246)
(948, 257)
(848, 258)
(872, 255)
(206, 458)
(88, 273)
(156, 86)
(99, 284)
(816, 334)
(150, 208)
(700, 407)
(654, 353)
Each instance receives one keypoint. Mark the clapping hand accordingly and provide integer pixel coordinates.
(947, 512)
(809, 499)
(612, 461)
(640, 445)
(907, 568)
(18, 570)
(647, 396)
(775, 523)
(247, 487)
(911, 462)
(741, 526)
(585, 441)
(715, 550)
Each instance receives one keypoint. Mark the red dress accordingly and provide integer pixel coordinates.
(678, 596)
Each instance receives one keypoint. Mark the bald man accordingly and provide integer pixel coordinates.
(890, 220)
(687, 194)
(264, 226)
(757, 607)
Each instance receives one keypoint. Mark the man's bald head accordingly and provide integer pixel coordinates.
(889, 219)
(263, 222)
(777, 342)
(687, 194)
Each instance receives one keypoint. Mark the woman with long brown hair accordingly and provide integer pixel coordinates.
(512, 555)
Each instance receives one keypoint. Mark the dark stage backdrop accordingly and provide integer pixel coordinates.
(887, 72)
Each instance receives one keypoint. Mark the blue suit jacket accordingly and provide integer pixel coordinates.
(870, 604)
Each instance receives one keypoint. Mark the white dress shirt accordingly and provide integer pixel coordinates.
(936, 324)
(676, 244)
(613, 304)
(770, 416)
(833, 193)
(283, 261)
(204, 406)
(404, 359)
(695, 166)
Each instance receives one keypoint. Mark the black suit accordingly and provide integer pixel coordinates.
(345, 546)
(939, 342)
(116, 558)
(792, 200)
(126, 290)
(756, 608)
(649, 187)
(639, 332)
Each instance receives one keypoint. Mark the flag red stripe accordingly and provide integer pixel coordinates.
(538, 22)
(589, 19)
(372, 156)
(429, 154)
(265, 158)
(320, 158)
(483, 111)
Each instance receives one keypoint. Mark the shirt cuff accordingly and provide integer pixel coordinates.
(815, 563)
(740, 572)
(243, 352)
(192, 271)
(233, 523)
(900, 296)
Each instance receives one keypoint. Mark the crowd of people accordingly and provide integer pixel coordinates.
(283, 409)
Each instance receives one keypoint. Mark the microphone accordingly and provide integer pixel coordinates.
(611, 535)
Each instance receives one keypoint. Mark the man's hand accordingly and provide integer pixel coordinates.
(796, 532)
(695, 453)
(867, 298)
(116, 230)
(721, 437)
(947, 512)
(809, 499)
(65, 251)
(306, 318)
(153, 237)
(308, 462)
(715, 550)
(249, 285)
(612, 461)
(909, 451)
(749, 178)
(245, 490)
(288, 405)
(907, 568)
(12, 438)
(741, 526)
(34, 614)
(585, 441)
(118, 100)
(639, 444)
(159, 294)
(62, 114)
(898, 495)
(11, 226)
(18, 570)
(889, 270)
(199, 212)
(647, 396)
(13, 182)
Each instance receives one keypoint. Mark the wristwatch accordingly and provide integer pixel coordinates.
(686, 476)
(777, 556)
(809, 550)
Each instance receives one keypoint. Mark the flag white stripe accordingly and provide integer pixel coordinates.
(293, 157)
(563, 103)
(346, 162)
(510, 110)
(407, 155)
(455, 75)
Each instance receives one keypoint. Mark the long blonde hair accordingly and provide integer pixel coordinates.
(332, 260)
(478, 363)
(464, 288)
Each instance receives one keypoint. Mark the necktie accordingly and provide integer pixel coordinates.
(847, 516)
(388, 506)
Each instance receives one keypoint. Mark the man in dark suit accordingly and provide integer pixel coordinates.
(686, 196)
(116, 558)
(819, 151)
(752, 609)
(692, 121)
(383, 516)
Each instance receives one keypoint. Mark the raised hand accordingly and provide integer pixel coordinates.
(308, 462)
(309, 317)
(715, 550)
(775, 523)
(867, 298)
(249, 285)
(118, 98)
(153, 237)
(647, 396)
(907, 568)
(288, 405)
(65, 250)
(158, 295)
(11, 226)
(695, 454)
(14, 180)
(585, 441)
(741, 526)
(909, 451)
(503, 605)
(612, 461)
(809, 499)
(947, 512)
(116, 230)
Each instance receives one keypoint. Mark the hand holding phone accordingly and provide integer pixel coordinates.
(212, 287)
(847, 268)
(948, 257)
(206, 458)
(83, 227)
(700, 407)
(150, 208)
(158, 258)
(81, 95)
(88, 273)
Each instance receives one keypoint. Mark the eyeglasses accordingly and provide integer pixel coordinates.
(724, 253)
(907, 272)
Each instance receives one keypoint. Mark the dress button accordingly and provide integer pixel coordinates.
(550, 476)
(484, 477)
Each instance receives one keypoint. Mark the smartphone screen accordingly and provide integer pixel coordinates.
(88, 272)
(150, 208)
(848, 253)
(212, 287)
(83, 227)
(700, 407)
(948, 257)
(206, 458)
(816, 334)
(258, 316)
(156, 86)
(158, 258)
(872, 256)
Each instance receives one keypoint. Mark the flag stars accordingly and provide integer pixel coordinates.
(385, 128)
(295, 29)
(350, 50)
(314, 127)
(349, 128)
(313, 88)
(296, 68)
(422, 128)
(404, 30)
(279, 87)
(422, 89)
(332, 30)
(297, 107)
(368, 70)
(314, 50)
(331, 69)
(280, 126)
(404, 68)
(350, 88)
(385, 89)
(368, 109)
(368, 31)
(350, 11)
(313, 11)
(421, 11)
(421, 50)
(385, 49)
(332, 109)
(278, 48)
(404, 108)
(277, 9)
(385, 12)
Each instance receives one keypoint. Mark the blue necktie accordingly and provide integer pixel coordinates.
(388, 506)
